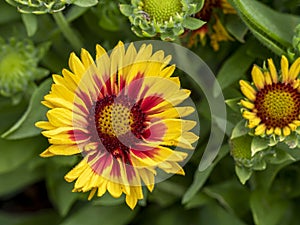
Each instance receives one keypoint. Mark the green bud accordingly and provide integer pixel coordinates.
(167, 19)
(19, 66)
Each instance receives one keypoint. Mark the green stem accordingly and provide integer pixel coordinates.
(67, 31)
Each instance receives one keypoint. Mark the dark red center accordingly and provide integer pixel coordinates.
(119, 123)
(278, 105)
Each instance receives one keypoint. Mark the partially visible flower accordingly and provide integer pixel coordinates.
(19, 66)
(39, 6)
(121, 113)
(214, 27)
(167, 19)
(272, 104)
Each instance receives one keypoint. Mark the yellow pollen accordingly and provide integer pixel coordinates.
(162, 10)
(277, 105)
(115, 120)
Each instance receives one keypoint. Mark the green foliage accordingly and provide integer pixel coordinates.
(251, 181)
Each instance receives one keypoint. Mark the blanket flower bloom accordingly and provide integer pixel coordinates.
(122, 113)
(272, 104)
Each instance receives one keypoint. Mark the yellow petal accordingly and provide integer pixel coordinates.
(86, 58)
(248, 90)
(60, 117)
(76, 171)
(258, 77)
(286, 131)
(92, 193)
(135, 194)
(277, 131)
(114, 189)
(148, 178)
(273, 71)
(76, 65)
(168, 71)
(247, 104)
(44, 125)
(270, 131)
(294, 70)
(268, 78)
(260, 129)
(293, 126)
(249, 115)
(64, 149)
(285, 69)
(46, 153)
(254, 122)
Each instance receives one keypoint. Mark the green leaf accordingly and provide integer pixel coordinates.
(280, 156)
(200, 199)
(75, 12)
(213, 214)
(19, 178)
(268, 209)
(31, 23)
(236, 27)
(239, 130)
(233, 104)
(201, 176)
(10, 113)
(243, 173)
(8, 13)
(85, 3)
(126, 10)
(45, 217)
(234, 68)
(15, 153)
(268, 25)
(25, 127)
(225, 194)
(60, 192)
(193, 23)
(258, 144)
(108, 200)
(95, 215)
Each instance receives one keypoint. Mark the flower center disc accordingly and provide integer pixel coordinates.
(278, 105)
(162, 10)
(118, 124)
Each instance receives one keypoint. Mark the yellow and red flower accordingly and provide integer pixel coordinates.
(272, 104)
(122, 113)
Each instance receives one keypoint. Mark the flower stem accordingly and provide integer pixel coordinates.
(67, 31)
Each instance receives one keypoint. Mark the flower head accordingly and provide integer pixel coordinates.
(121, 113)
(168, 19)
(214, 27)
(39, 6)
(272, 103)
(19, 66)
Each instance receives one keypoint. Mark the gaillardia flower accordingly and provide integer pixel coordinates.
(272, 103)
(214, 27)
(39, 6)
(19, 66)
(167, 19)
(122, 113)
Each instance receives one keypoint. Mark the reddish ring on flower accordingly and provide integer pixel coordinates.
(122, 113)
(272, 104)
